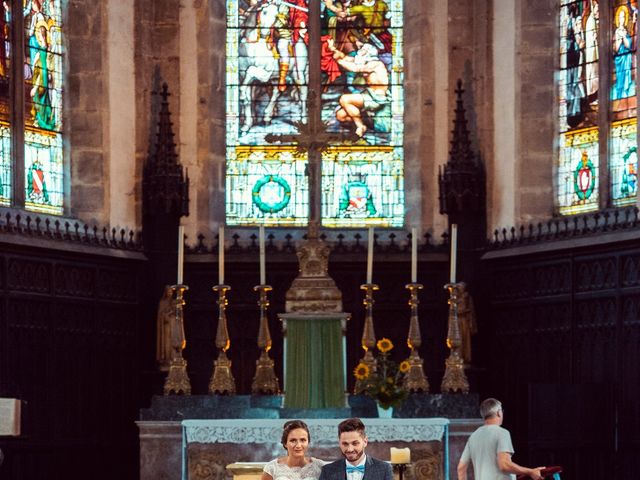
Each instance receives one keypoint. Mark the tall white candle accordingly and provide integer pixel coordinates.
(370, 257)
(180, 253)
(414, 255)
(263, 270)
(454, 248)
(221, 255)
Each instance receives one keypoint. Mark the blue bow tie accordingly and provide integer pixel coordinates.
(352, 469)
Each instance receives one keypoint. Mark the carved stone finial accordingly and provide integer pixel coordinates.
(165, 185)
(462, 183)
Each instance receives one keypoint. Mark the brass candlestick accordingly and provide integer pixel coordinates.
(222, 381)
(415, 380)
(177, 380)
(400, 468)
(368, 336)
(454, 377)
(265, 380)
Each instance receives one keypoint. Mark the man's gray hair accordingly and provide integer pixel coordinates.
(489, 408)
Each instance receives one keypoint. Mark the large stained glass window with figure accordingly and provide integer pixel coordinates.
(267, 88)
(623, 157)
(578, 166)
(5, 104)
(362, 100)
(43, 149)
(276, 127)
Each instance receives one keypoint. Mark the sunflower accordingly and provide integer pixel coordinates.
(404, 366)
(384, 345)
(361, 371)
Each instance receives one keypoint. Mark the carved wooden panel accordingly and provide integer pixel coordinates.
(578, 325)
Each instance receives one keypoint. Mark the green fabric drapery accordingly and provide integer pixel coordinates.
(314, 363)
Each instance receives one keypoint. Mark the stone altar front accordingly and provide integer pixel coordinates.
(201, 449)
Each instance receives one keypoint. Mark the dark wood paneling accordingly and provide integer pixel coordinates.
(561, 346)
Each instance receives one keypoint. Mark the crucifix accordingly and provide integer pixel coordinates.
(312, 136)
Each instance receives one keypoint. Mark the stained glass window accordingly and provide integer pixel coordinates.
(623, 138)
(39, 80)
(270, 110)
(362, 101)
(577, 174)
(43, 159)
(5, 104)
(583, 41)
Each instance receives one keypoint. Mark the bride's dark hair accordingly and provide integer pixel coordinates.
(293, 425)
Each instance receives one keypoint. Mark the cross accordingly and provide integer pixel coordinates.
(312, 137)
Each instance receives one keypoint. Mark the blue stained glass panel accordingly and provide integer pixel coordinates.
(624, 162)
(5, 165)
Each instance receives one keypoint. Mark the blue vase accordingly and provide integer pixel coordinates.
(384, 412)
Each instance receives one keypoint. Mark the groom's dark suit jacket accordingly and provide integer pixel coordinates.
(373, 470)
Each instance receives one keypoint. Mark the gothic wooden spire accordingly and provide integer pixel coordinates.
(165, 187)
(462, 184)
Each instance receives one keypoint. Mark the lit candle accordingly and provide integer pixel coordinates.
(370, 257)
(221, 255)
(414, 255)
(263, 272)
(180, 253)
(400, 455)
(454, 247)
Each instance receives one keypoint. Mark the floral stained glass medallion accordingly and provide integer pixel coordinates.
(43, 151)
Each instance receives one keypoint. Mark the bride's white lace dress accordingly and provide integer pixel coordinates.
(281, 471)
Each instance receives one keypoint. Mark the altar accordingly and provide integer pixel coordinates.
(203, 449)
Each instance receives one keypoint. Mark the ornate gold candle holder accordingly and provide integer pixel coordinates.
(368, 336)
(177, 380)
(454, 379)
(415, 379)
(222, 381)
(265, 380)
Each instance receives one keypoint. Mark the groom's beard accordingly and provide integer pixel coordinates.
(353, 456)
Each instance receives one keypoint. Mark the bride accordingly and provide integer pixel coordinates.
(296, 465)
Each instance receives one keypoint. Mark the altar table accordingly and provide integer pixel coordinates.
(428, 439)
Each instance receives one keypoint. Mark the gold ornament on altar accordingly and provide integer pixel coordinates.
(313, 290)
(454, 379)
(415, 380)
(264, 380)
(177, 380)
(222, 381)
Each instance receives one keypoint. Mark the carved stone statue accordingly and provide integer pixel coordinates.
(468, 324)
(164, 320)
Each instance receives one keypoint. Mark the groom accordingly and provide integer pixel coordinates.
(357, 465)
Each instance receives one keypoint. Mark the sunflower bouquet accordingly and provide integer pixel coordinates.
(386, 384)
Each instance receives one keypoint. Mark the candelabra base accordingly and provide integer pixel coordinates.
(265, 380)
(222, 381)
(177, 380)
(454, 379)
(416, 380)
